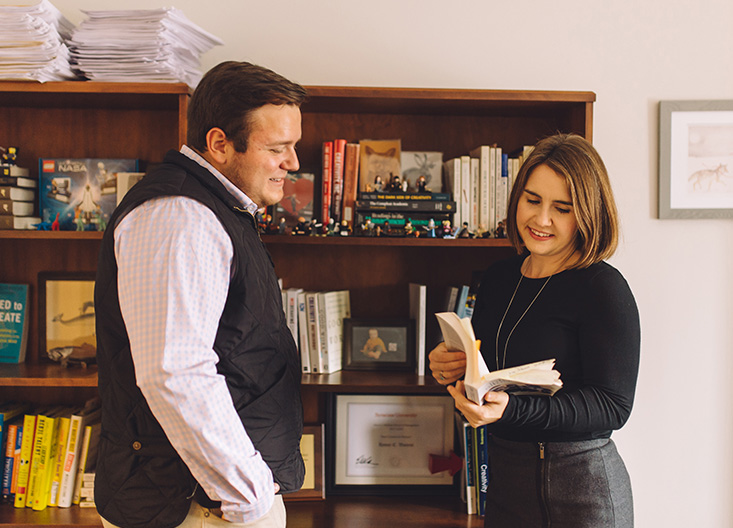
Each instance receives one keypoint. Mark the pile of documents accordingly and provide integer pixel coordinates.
(151, 45)
(32, 43)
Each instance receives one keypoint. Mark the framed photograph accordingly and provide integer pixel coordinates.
(379, 344)
(382, 443)
(312, 445)
(696, 159)
(67, 317)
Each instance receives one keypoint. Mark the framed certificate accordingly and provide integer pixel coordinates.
(384, 442)
(311, 447)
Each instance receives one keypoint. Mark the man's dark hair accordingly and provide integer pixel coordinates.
(228, 94)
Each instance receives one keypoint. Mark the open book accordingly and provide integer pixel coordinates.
(532, 378)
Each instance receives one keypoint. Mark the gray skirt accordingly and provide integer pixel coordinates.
(558, 485)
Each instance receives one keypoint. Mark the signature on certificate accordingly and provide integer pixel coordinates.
(365, 460)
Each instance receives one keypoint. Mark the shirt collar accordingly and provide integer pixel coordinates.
(235, 191)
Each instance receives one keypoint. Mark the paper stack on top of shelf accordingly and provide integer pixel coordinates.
(153, 45)
(32, 43)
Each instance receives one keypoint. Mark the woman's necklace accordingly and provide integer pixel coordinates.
(506, 343)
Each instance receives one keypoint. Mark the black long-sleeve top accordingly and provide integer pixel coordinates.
(588, 321)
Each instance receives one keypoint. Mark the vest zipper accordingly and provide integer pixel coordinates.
(542, 485)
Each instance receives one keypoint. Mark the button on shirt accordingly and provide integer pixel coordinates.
(174, 259)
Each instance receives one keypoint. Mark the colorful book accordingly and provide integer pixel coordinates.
(24, 461)
(443, 206)
(16, 462)
(58, 453)
(337, 187)
(351, 182)
(408, 196)
(13, 322)
(8, 460)
(326, 179)
(482, 467)
(43, 463)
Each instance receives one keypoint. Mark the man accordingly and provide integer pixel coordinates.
(199, 375)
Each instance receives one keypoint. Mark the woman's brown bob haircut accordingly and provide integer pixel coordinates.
(575, 159)
(228, 94)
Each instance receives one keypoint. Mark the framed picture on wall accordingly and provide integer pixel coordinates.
(67, 317)
(696, 159)
(379, 344)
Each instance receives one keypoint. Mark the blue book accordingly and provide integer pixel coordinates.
(13, 322)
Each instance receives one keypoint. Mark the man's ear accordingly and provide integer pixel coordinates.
(218, 146)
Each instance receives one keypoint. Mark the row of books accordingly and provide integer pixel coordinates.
(18, 198)
(472, 446)
(316, 321)
(46, 451)
(481, 184)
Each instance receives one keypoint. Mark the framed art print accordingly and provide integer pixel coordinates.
(696, 159)
(379, 344)
(67, 317)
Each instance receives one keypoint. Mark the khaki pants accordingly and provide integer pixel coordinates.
(200, 517)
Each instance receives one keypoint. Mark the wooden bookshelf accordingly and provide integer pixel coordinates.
(141, 120)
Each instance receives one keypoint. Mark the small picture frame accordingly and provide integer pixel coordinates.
(379, 344)
(67, 317)
(696, 159)
(312, 447)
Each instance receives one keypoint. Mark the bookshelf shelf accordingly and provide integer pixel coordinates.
(141, 120)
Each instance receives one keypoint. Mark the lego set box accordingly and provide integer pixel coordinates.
(80, 194)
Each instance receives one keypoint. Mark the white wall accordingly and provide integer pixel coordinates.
(631, 54)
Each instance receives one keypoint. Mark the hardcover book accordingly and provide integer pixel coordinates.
(408, 196)
(444, 206)
(9, 192)
(537, 378)
(13, 322)
(80, 193)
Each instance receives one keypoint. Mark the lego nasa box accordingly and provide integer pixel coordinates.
(79, 194)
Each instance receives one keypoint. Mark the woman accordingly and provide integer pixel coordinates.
(552, 460)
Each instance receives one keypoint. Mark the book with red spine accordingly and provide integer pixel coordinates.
(326, 179)
(337, 179)
(351, 182)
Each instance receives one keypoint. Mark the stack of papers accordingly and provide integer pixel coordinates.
(32, 43)
(153, 45)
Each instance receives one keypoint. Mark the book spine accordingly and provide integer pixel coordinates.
(470, 463)
(305, 360)
(45, 468)
(418, 312)
(326, 175)
(482, 450)
(16, 462)
(339, 151)
(323, 331)
(8, 462)
(86, 439)
(351, 182)
(446, 206)
(62, 435)
(71, 462)
(314, 335)
(26, 455)
(475, 198)
(399, 218)
(36, 460)
(413, 197)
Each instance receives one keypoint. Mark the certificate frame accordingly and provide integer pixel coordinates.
(312, 445)
(66, 317)
(695, 159)
(362, 427)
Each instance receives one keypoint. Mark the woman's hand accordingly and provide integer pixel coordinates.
(493, 408)
(447, 366)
